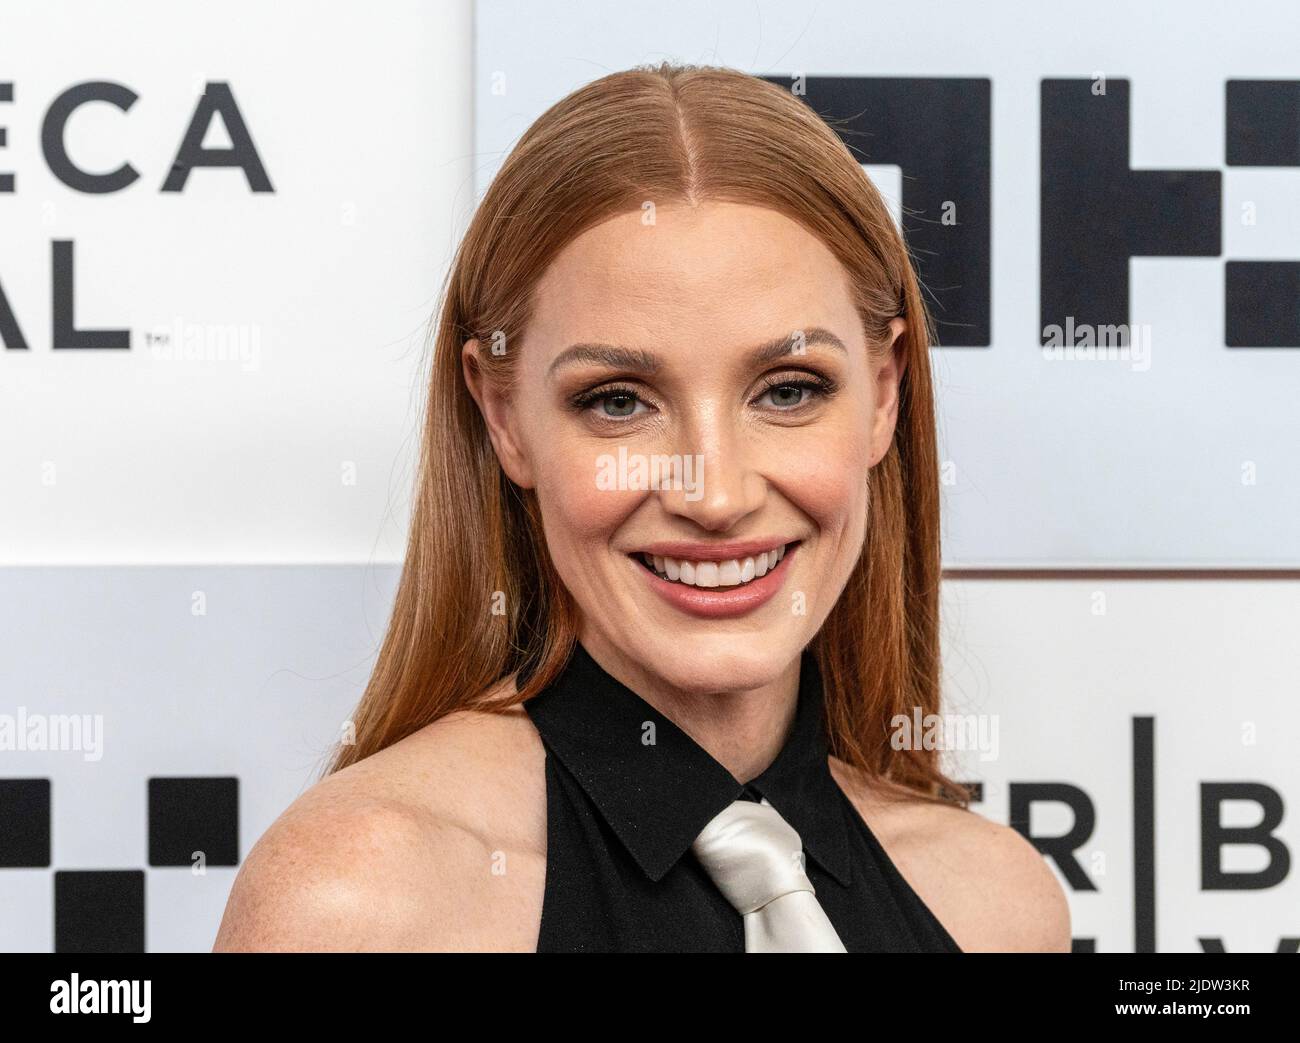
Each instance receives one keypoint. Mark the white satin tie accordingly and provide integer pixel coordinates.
(756, 859)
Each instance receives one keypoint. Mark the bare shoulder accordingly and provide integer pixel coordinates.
(986, 883)
(435, 843)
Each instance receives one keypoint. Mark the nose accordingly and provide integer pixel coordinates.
(719, 483)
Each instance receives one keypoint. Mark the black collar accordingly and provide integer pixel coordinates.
(657, 796)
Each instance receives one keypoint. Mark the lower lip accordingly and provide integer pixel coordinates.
(720, 602)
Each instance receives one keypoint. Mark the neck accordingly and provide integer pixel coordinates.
(742, 729)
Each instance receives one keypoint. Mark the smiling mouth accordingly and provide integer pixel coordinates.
(724, 574)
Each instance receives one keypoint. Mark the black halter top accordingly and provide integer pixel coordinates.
(627, 791)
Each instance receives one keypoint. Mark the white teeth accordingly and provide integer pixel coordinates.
(732, 572)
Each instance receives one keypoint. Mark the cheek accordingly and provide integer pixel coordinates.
(577, 513)
(826, 477)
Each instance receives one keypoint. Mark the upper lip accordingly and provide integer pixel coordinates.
(688, 551)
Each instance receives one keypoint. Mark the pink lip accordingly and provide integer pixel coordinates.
(714, 551)
(719, 602)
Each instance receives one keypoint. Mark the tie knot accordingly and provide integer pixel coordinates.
(752, 854)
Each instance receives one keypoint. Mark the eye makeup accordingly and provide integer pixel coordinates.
(807, 382)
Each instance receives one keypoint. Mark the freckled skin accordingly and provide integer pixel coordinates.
(700, 288)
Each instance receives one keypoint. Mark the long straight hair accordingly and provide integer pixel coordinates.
(479, 599)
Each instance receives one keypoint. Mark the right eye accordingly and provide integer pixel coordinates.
(611, 403)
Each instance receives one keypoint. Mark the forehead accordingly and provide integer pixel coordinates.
(721, 270)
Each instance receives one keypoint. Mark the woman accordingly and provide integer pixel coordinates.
(673, 570)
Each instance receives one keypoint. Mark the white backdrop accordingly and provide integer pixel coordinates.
(271, 425)
(1065, 668)
(198, 552)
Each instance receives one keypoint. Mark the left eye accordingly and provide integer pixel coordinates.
(788, 394)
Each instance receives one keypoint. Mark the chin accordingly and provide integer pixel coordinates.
(716, 662)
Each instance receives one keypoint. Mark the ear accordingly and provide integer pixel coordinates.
(498, 415)
(887, 378)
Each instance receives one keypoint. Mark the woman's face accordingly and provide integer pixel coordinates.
(695, 396)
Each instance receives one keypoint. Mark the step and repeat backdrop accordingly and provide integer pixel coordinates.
(224, 234)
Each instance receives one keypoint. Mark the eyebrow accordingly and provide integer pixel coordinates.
(648, 363)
